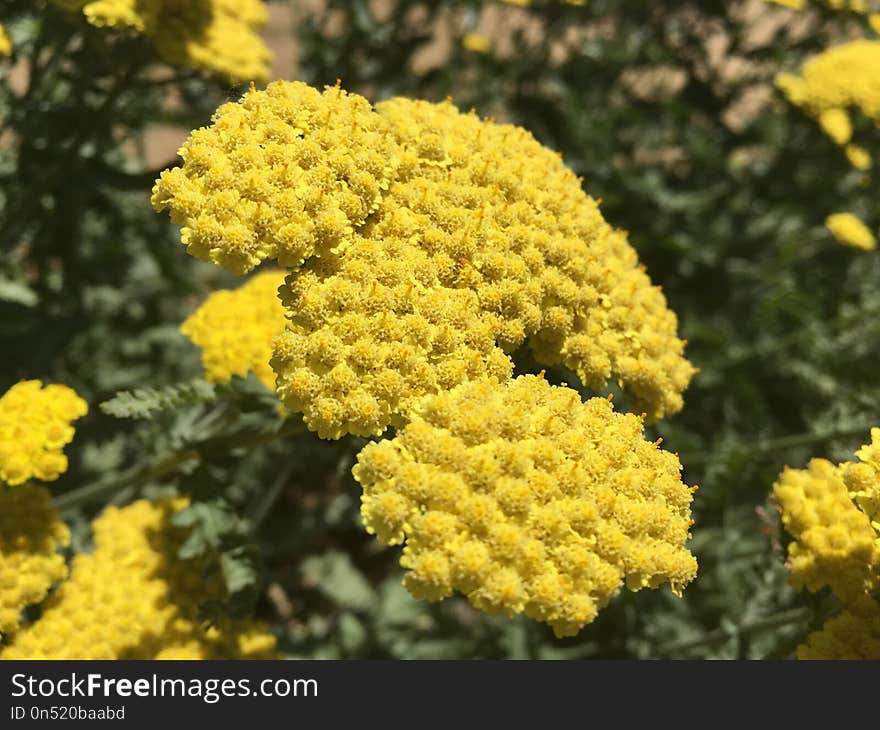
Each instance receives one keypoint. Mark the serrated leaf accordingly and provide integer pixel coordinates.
(146, 403)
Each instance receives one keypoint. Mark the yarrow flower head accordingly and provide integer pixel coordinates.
(133, 598)
(219, 36)
(35, 425)
(31, 534)
(850, 231)
(833, 514)
(526, 499)
(235, 329)
(427, 245)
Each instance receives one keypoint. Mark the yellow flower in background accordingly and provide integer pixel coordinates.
(858, 157)
(528, 500)
(219, 36)
(830, 84)
(833, 514)
(850, 231)
(35, 425)
(5, 43)
(476, 42)
(235, 329)
(133, 598)
(427, 245)
(837, 125)
(31, 534)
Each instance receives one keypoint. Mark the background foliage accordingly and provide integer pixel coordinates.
(668, 112)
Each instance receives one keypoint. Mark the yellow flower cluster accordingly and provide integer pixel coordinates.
(219, 36)
(5, 43)
(852, 634)
(34, 428)
(850, 231)
(132, 598)
(526, 499)
(430, 245)
(31, 533)
(235, 329)
(830, 84)
(833, 514)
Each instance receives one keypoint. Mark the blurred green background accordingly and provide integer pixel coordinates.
(667, 110)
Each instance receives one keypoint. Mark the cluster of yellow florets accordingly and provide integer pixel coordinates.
(852, 634)
(286, 173)
(235, 329)
(832, 83)
(434, 244)
(34, 428)
(219, 36)
(850, 231)
(132, 598)
(833, 514)
(31, 533)
(526, 499)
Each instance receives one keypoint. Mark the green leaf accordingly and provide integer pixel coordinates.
(146, 403)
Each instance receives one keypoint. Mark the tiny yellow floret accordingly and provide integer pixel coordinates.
(5, 43)
(848, 230)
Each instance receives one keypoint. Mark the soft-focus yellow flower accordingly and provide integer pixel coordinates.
(837, 125)
(526, 499)
(133, 598)
(35, 425)
(429, 245)
(31, 533)
(5, 43)
(841, 78)
(219, 36)
(858, 157)
(235, 329)
(850, 231)
(476, 42)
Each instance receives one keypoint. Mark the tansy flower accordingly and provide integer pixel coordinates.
(527, 500)
(235, 329)
(833, 514)
(133, 598)
(35, 425)
(427, 245)
(850, 231)
(31, 533)
(219, 36)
